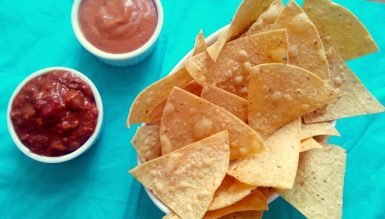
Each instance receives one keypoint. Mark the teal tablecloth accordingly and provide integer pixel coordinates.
(37, 34)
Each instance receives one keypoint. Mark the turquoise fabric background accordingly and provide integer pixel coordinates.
(37, 34)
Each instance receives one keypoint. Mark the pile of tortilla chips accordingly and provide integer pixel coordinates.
(247, 117)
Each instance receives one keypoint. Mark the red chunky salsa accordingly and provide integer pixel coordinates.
(54, 113)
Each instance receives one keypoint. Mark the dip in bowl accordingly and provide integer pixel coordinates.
(118, 32)
(55, 115)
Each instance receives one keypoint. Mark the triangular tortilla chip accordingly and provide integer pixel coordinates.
(276, 166)
(244, 215)
(146, 142)
(144, 108)
(255, 201)
(191, 86)
(321, 139)
(267, 18)
(228, 101)
(354, 98)
(235, 215)
(316, 129)
(186, 179)
(247, 12)
(229, 192)
(230, 71)
(305, 45)
(280, 93)
(200, 44)
(188, 118)
(318, 188)
(152, 97)
(339, 28)
(309, 144)
(171, 215)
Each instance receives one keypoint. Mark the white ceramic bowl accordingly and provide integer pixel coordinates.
(81, 149)
(123, 59)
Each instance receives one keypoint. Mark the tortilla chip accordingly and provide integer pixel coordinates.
(255, 201)
(228, 101)
(193, 87)
(244, 215)
(235, 215)
(230, 71)
(146, 142)
(309, 144)
(317, 129)
(305, 45)
(321, 139)
(317, 192)
(148, 103)
(229, 192)
(188, 118)
(247, 13)
(280, 93)
(200, 44)
(186, 179)
(171, 216)
(339, 28)
(276, 166)
(266, 21)
(151, 97)
(354, 98)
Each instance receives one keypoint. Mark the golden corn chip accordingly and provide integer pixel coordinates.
(266, 21)
(244, 215)
(200, 44)
(246, 14)
(229, 192)
(147, 104)
(146, 142)
(317, 129)
(186, 179)
(280, 93)
(268, 191)
(305, 45)
(309, 144)
(255, 201)
(339, 28)
(230, 71)
(354, 98)
(152, 96)
(318, 188)
(276, 166)
(228, 101)
(188, 118)
(193, 87)
(321, 139)
(171, 216)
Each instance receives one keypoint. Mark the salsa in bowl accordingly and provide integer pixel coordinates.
(55, 115)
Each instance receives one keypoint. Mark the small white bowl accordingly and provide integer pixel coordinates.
(123, 59)
(45, 159)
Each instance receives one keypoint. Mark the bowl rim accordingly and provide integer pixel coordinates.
(46, 159)
(115, 56)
